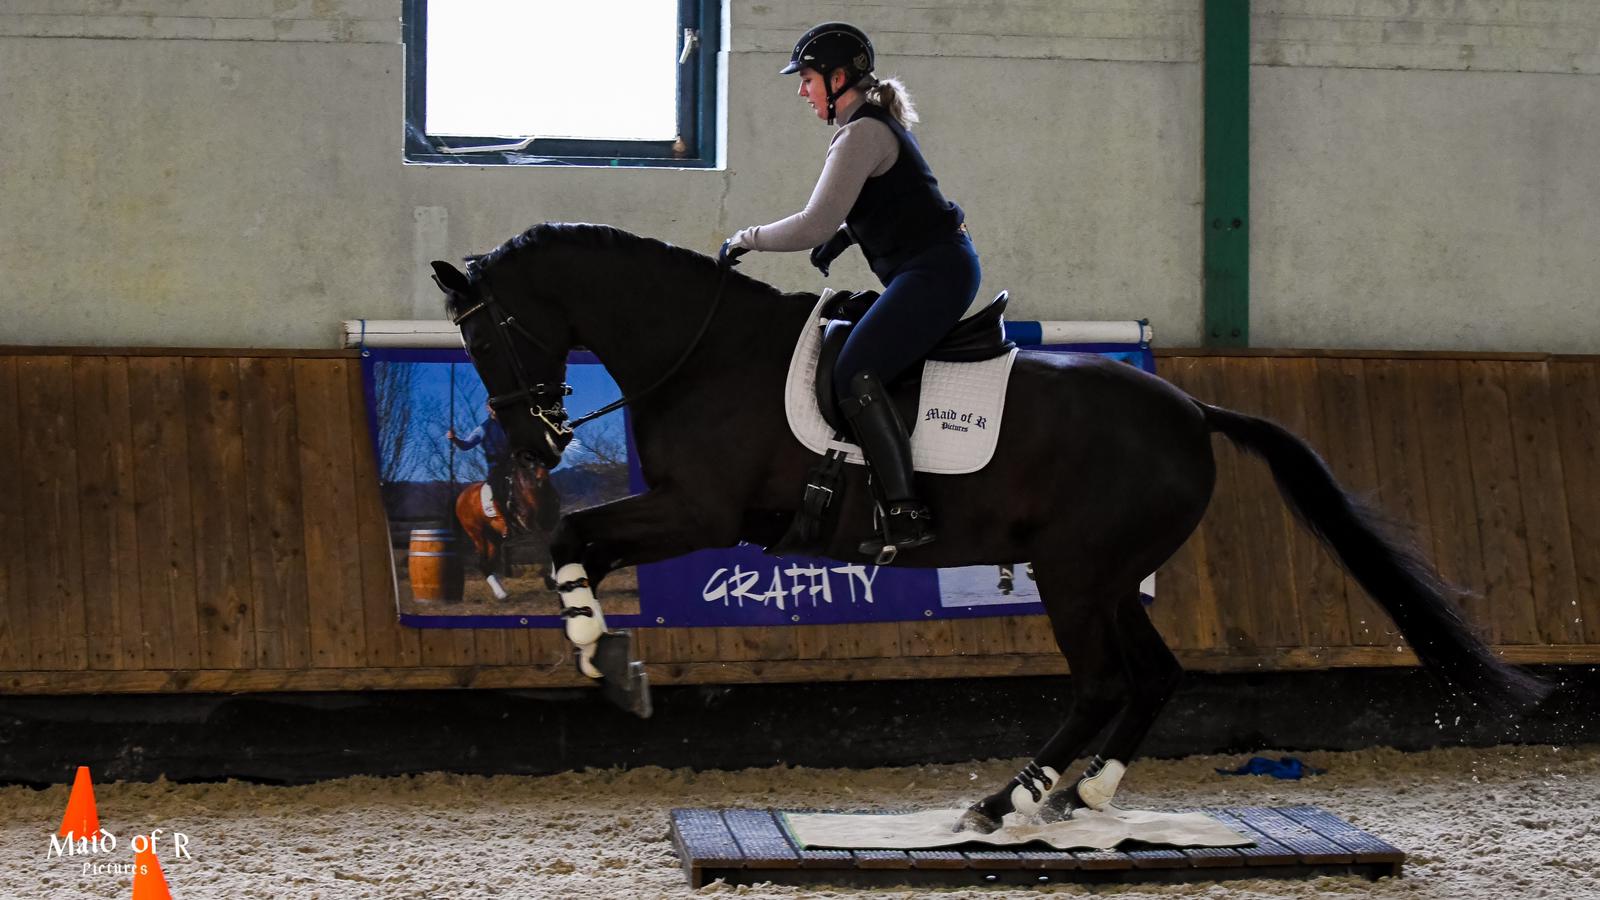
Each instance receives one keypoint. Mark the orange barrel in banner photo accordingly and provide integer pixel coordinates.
(434, 566)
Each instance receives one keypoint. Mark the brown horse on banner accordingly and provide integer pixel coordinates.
(535, 505)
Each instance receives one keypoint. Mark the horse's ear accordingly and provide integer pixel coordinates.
(449, 278)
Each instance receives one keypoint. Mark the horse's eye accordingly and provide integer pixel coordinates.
(479, 348)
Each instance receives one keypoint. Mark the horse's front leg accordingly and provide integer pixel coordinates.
(589, 544)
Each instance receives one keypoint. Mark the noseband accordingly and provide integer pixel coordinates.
(545, 402)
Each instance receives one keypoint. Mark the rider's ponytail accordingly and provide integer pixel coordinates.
(890, 93)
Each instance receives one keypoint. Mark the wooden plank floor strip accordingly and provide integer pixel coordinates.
(1211, 857)
(1266, 852)
(1053, 860)
(826, 859)
(881, 859)
(706, 838)
(761, 840)
(1163, 858)
(1313, 848)
(1367, 848)
(1102, 860)
(993, 859)
(938, 859)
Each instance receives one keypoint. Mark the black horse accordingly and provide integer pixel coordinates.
(1104, 472)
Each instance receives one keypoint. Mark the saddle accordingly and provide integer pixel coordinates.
(975, 338)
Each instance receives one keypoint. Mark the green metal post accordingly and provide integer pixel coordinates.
(1227, 173)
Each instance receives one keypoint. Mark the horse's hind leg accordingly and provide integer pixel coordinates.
(1085, 627)
(1152, 674)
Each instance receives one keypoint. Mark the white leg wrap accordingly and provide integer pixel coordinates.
(1097, 790)
(494, 585)
(1033, 785)
(583, 631)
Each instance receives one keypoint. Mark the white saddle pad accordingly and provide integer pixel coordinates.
(958, 419)
(486, 497)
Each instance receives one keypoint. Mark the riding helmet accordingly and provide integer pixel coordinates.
(830, 46)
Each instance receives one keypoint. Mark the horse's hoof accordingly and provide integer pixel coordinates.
(976, 820)
(623, 678)
(1058, 806)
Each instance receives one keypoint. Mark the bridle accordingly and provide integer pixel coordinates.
(547, 403)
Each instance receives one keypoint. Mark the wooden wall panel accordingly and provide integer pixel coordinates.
(223, 586)
(1508, 582)
(51, 537)
(166, 527)
(1452, 502)
(1316, 579)
(1186, 610)
(1543, 488)
(1576, 388)
(1351, 456)
(16, 623)
(332, 539)
(107, 513)
(267, 418)
(211, 521)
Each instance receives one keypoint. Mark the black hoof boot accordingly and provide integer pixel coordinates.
(624, 682)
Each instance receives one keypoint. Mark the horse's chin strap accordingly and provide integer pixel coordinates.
(716, 301)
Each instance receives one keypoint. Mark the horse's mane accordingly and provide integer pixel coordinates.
(584, 234)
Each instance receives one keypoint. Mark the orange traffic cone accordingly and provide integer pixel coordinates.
(81, 819)
(148, 882)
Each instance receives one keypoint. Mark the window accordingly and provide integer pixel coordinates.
(562, 82)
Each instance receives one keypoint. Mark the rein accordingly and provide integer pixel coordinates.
(524, 390)
(694, 344)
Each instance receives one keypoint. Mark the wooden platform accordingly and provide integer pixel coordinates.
(748, 846)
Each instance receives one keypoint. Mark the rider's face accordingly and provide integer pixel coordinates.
(813, 89)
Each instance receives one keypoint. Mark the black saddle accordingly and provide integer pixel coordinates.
(978, 337)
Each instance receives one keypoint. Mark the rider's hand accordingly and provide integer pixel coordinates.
(450, 434)
(732, 249)
(825, 253)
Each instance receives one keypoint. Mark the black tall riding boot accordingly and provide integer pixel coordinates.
(882, 436)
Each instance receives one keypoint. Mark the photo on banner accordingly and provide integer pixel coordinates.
(462, 520)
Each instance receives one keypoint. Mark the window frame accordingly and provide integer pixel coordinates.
(697, 109)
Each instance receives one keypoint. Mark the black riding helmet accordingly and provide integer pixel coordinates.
(829, 46)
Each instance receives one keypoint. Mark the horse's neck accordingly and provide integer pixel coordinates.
(641, 328)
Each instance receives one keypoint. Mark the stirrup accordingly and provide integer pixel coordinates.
(890, 543)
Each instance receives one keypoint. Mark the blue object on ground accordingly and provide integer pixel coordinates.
(1286, 767)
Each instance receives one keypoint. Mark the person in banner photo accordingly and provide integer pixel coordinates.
(876, 191)
(496, 452)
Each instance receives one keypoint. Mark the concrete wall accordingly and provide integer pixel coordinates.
(227, 172)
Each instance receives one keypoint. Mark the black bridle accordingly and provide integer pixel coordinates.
(547, 403)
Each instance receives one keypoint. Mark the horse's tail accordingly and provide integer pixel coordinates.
(1390, 570)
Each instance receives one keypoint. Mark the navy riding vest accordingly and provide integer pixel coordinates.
(496, 445)
(901, 212)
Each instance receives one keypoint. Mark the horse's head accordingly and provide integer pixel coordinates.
(537, 506)
(520, 351)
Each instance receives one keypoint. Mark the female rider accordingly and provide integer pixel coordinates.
(876, 191)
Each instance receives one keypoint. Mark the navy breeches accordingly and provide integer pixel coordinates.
(921, 301)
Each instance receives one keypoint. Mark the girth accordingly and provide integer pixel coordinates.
(978, 337)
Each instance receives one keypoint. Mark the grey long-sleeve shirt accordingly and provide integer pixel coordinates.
(860, 150)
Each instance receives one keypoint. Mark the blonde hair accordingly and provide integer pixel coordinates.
(891, 94)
